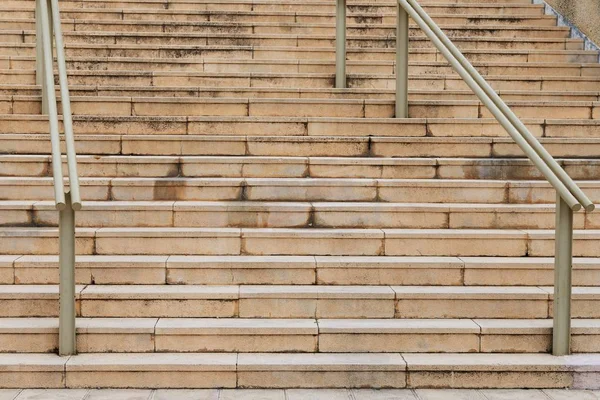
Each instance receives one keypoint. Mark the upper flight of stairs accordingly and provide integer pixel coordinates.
(247, 225)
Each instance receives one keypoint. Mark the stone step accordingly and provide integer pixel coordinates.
(21, 52)
(298, 241)
(300, 6)
(297, 108)
(294, 215)
(296, 270)
(312, 129)
(324, 93)
(295, 25)
(474, 7)
(267, 370)
(298, 189)
(289, 302)
(105, 143)
(233, 65)
(357, 40)
(306, 80)
(185, 335)
(295, 167)
(388, 17)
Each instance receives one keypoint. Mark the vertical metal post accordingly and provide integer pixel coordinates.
(563, 263)
(340, 45)
(66, 330)
(402, 63)
(39, 55)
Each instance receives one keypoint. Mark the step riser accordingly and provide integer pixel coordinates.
(369, 191)
(298, 108)
(350, 342)
(298, 169)
(410, 308)
(307, 26)
(387, 17)
(308, 67)
(156, 39)
(493, 219)
(366, 243)
(18, 53)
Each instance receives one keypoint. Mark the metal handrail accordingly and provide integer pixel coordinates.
(48, 32)
(569, 196)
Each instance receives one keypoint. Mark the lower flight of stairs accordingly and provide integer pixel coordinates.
(247, 225)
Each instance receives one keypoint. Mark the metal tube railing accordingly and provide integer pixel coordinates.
(48, 31)
(569, 196)
(340, 44)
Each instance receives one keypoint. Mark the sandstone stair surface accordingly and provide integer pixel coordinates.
(247, 225)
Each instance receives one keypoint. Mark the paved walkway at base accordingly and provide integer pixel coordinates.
(297, 394)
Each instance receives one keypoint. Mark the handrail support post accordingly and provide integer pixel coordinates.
(39, 55)
(402, 63)
(340, 45)
(66, 330)
(563, 265)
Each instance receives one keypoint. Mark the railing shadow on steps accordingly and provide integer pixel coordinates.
(48, 39)
(569, 197)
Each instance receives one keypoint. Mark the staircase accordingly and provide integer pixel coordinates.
(247, 225)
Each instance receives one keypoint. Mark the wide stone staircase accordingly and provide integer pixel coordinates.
(247, 225)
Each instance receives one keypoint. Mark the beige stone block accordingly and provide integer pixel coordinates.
(171, 241)
(32, 379)
(312, 242)
(29, 342)
(355, 308)
(278, 308)
(452, 308)
(155, 379)
(236, 343)
(399, 342)
(511, 343)
(455, 243)
(240, 276)
(115, 343)
(159, 308)
(492, 380)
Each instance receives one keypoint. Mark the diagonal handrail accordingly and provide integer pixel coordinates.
(569, 196)
(49, 32)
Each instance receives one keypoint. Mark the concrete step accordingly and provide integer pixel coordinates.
(296, 270)
(306, 80)
(294, 108)
(298, 189)
(289, 302)
(105, 143)
(235, 65)
(357, 40)
(21, 52)
(185, 335)
(505, 8)
(388, 17)
(308, 6)
(263, 370)
(294, 215)
(288, 241)
(308, 93)
(293, 26)
(295, 167)
(311, 129)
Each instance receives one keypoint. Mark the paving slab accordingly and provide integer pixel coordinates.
(52, 394)
(186, 394)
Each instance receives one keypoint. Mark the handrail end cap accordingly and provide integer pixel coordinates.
(60, 206)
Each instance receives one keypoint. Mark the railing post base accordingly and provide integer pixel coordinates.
(402, 63)
(66, 332)
(340, 45)
(563, 263)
